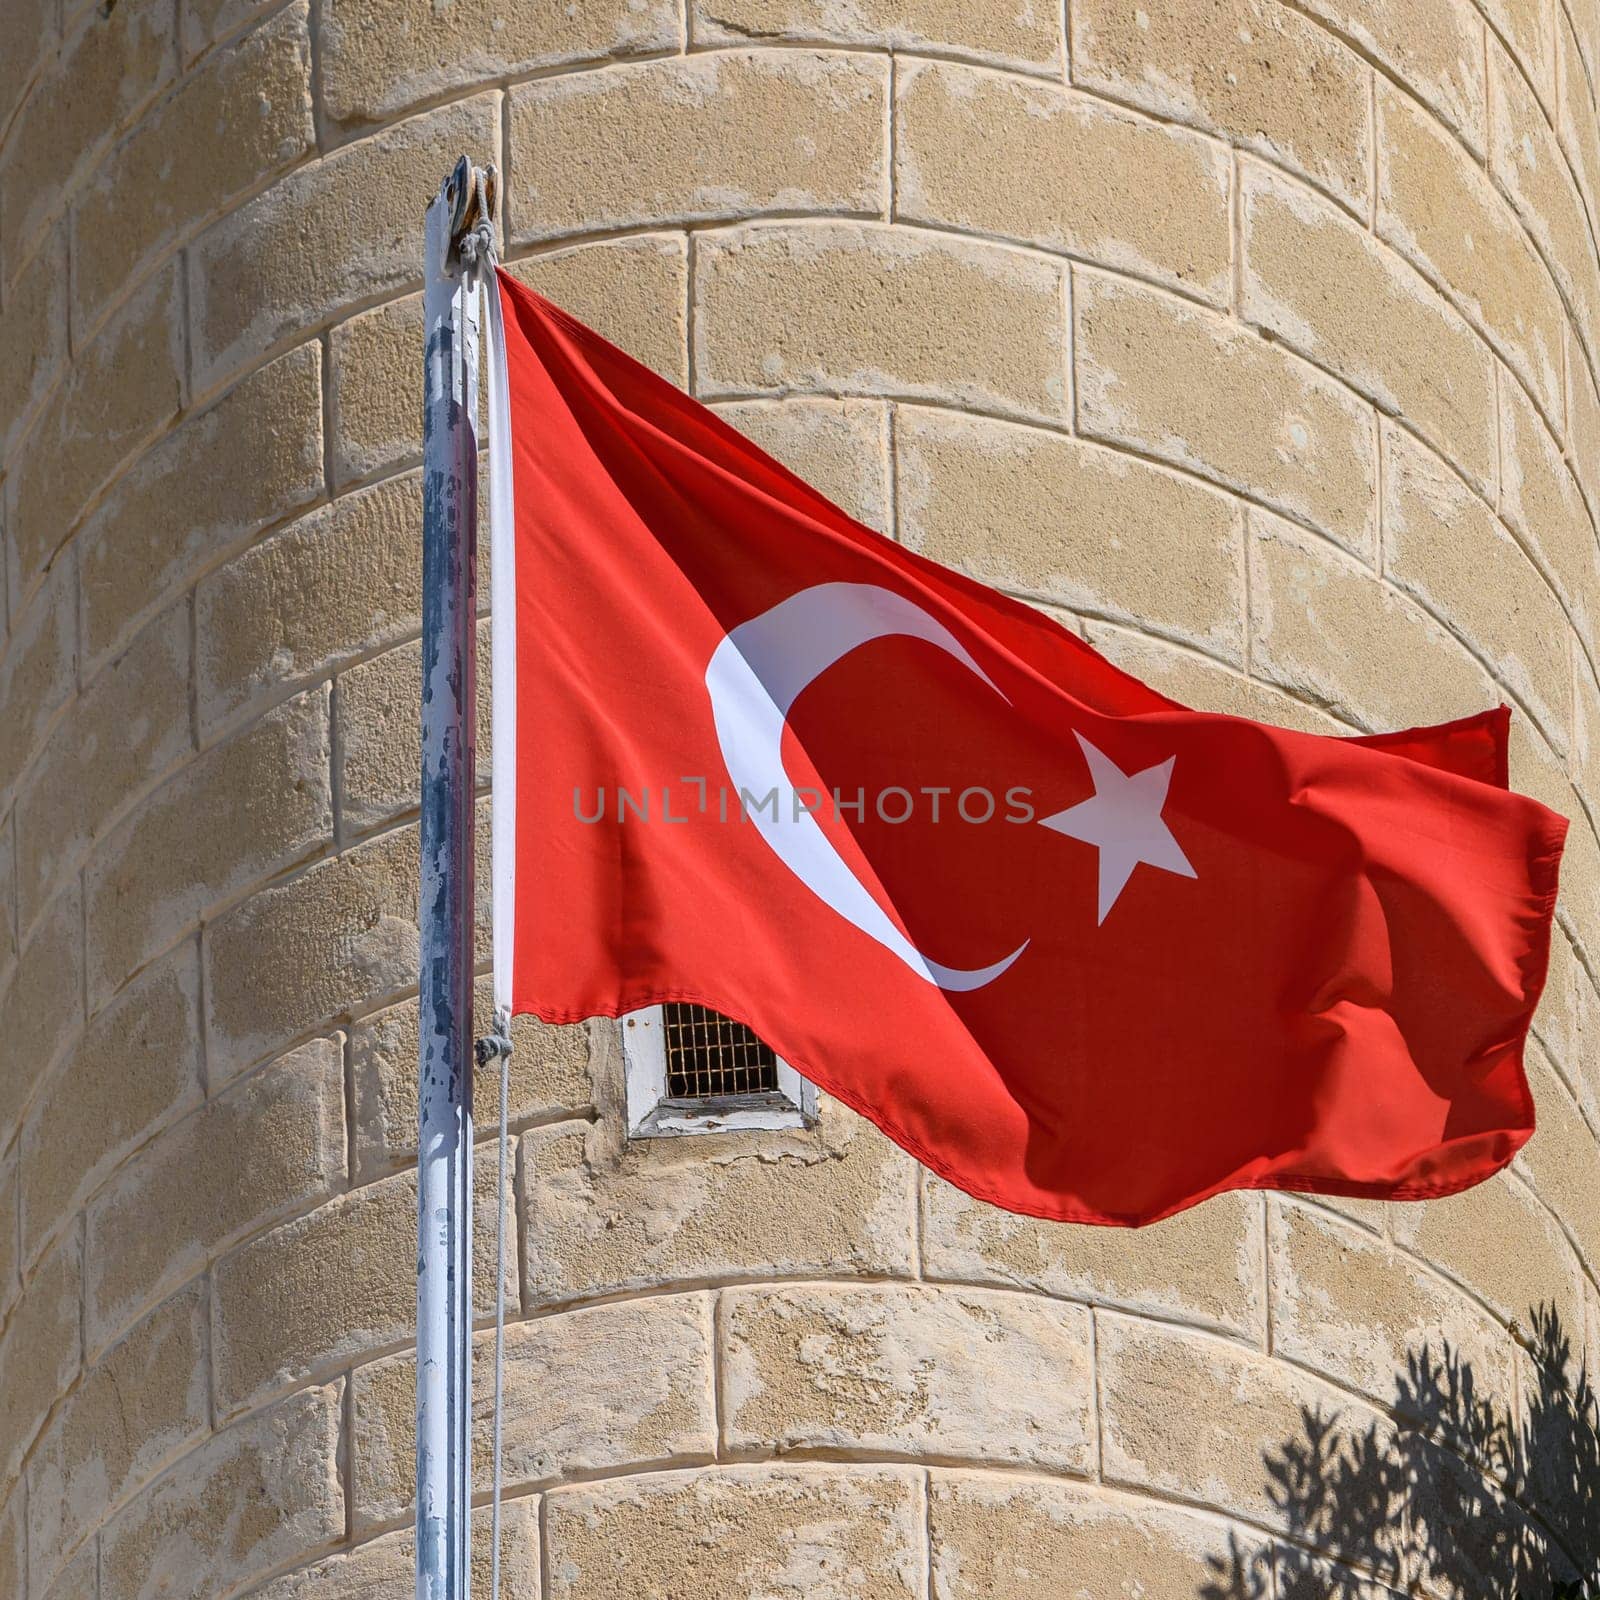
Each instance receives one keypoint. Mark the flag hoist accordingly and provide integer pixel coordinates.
(1085, 952)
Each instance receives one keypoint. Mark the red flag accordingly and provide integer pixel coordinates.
(1085, 952)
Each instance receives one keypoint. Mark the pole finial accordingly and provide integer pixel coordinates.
(472, 194)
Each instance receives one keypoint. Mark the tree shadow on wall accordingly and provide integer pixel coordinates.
(1458, 1495)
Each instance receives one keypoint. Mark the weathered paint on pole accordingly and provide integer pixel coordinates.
(444, 1160)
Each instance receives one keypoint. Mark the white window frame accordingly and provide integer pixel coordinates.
(651, 1115)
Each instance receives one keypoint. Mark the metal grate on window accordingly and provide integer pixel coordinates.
(710, 1056)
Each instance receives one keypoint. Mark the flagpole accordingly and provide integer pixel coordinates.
(444, 1149)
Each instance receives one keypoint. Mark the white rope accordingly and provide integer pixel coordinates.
(477, 248)
(497, 1046)
(499, 1317)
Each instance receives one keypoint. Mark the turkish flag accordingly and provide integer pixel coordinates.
(1083, 951)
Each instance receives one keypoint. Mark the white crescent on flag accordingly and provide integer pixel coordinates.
(755, 675)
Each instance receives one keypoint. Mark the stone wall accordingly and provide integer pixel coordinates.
(1255, 341)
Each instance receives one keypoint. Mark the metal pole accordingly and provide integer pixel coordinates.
(444, 1150)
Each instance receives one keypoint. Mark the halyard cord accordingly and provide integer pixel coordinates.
(477, 250)
(499, 1319)
(498, 1045)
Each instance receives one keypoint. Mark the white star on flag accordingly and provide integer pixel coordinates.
(1122, 819)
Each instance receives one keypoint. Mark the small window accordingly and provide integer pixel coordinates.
(692, 1070)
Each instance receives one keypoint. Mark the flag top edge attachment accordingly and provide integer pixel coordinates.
(471, 195)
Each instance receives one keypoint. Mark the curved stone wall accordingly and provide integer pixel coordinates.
(1255, 341)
